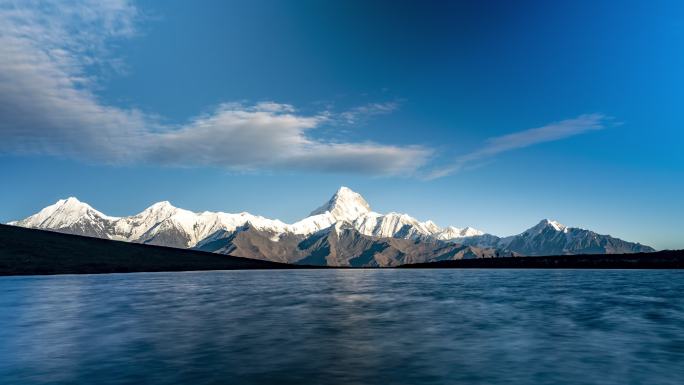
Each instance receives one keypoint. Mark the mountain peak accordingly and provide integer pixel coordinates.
(159, 210)
(62, 213)
(346, 204)
(162, 205)
(555, 224)
(70, 204)
(69, 200)
(452, 232)
(546, 223)
(470, 231)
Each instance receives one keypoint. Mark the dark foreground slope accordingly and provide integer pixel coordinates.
(29, 251)
(667, 259)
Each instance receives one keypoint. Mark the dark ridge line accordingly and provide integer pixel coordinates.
(666, 259)
(42, 252)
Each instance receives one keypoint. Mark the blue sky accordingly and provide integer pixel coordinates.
(489, 115)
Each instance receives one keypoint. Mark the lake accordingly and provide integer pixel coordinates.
(345, 327)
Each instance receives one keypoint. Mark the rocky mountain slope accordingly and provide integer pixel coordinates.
(552, 238)
(338, 245)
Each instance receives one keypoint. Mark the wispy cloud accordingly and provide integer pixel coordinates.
(52, 51)
(49, 51)
(356, 114)
(550, 132)
(272, 136)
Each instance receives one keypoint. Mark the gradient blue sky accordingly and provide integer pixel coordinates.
(488, 114)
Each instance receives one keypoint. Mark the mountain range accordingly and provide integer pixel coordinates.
(342, 232)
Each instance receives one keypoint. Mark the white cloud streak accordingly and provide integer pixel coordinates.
(48, 53)
(500, 144)
(360, 113)
(271, 136)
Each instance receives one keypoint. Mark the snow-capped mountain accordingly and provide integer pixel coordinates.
(345, 205)
(164, 224)
(552, 238)
(454, 233)
(160, 224)
(346, 213)
(71, 216)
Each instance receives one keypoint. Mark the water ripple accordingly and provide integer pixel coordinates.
(345, 327)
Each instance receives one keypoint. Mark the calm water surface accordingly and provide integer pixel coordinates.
(345, 327)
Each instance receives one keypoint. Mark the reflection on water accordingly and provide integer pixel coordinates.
(345, 327)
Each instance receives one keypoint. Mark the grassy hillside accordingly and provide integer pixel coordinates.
(28, 251)
(668, 259)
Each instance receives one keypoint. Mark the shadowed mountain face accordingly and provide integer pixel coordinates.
(339, 246)
(342, 232)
